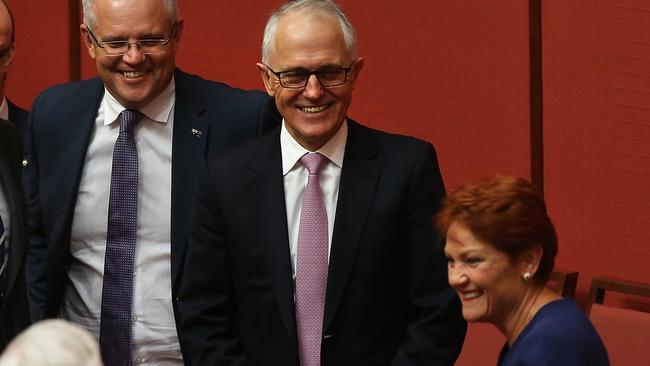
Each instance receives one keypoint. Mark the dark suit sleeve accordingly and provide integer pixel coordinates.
(206, 306)
(35, 265)
(435, 333)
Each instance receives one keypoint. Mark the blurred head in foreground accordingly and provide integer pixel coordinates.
(52, 342)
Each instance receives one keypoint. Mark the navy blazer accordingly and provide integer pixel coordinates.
(14, 316)
(208, 117)
(387, 300)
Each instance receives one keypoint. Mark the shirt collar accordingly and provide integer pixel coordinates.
(292, 151)
(4, 109)
(159, 109)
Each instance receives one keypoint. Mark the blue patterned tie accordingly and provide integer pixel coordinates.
(116, 329)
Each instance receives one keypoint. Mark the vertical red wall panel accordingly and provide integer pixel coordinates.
(41, 48)
(454, 73)
(597, 135)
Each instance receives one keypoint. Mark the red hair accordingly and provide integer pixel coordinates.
(506, 212)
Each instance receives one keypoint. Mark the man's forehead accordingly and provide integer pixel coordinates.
(308, 42)
(135, 25)
(131, 12)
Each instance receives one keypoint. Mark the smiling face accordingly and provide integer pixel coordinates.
(488, 282)
(305, 41)
(133, 79)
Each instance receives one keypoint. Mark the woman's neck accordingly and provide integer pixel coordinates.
(533, 300)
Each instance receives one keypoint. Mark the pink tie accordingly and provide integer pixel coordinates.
(311, 266)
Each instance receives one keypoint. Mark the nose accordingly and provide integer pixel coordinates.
(456, 277)
(133, 54)
(313, 89)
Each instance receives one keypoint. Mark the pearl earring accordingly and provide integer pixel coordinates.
(526, 276)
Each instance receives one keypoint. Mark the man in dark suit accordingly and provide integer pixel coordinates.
(8, 110)
(318, 248)
(111, 179)
(14, 316)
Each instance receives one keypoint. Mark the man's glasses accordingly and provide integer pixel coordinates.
(5, 53)
(328, 77)
(147, 46)
(5, 56)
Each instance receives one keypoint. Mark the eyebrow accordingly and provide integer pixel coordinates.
(126, 39)
(465, 253)
(320, 68)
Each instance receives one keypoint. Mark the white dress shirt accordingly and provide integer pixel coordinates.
(295, 180)
(154, 333)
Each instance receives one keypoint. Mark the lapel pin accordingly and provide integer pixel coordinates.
(196, 132)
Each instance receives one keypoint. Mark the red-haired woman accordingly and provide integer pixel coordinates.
(501, 248)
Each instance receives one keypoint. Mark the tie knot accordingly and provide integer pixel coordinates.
(314, 162)
(128, 119)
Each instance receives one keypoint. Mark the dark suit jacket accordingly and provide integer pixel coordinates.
(387, 301)
(14, 316)
(208, 116)
(18, 117)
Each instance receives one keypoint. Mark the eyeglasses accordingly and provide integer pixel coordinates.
(6, 52)
(147, 46)
(5, 56)
(328, 77)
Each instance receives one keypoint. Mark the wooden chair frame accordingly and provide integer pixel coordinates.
(601, 284)
(566, 280)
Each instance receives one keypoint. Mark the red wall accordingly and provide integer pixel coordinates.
(597, 135)
(42, 48)
(456, 73)
(447, 72)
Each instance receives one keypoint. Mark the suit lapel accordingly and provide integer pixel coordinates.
(359, 177)
(190, 135)
(79, 124)
(74, 130)
(265, 188)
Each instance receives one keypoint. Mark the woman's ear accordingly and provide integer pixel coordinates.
(529, 261)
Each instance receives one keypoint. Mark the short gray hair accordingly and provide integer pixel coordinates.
(90, 19)
(324, 7)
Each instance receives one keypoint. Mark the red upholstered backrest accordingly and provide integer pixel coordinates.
(625, 333)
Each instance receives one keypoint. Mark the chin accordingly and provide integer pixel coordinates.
(473, 317)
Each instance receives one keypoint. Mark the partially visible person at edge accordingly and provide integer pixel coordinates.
(8, 110)
(501, 248)
(14, 314)
(111, 175)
